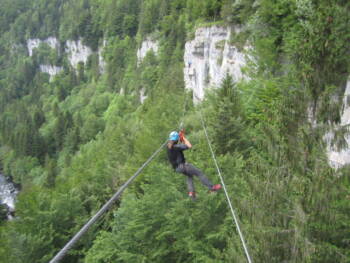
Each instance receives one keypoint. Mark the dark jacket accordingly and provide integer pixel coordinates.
(176, 155)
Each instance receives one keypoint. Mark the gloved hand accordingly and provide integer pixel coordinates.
(182, 135)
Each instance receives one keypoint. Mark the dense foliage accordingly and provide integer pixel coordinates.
(71, 142)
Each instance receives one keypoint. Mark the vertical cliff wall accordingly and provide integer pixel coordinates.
(147, 45)
(339, 158)
(208, 57)
(76, 51)
(35, 43)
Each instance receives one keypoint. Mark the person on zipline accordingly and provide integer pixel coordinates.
(178, 162)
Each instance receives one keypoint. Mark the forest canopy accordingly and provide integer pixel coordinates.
(73, 140)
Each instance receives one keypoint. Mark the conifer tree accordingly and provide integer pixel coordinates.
(50, 167)
(229, 120)
(3, 213)
(38, 118)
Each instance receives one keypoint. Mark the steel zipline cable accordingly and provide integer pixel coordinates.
(235, 221)
(115, 197)
(107, 205)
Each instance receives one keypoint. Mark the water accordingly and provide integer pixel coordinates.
(8, 193)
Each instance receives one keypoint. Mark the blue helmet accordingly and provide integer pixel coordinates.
(174, 136)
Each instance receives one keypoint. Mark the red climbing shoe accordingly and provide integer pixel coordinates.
(192, 195)
(215, 187)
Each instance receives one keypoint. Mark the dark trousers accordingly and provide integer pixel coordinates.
(189, 170)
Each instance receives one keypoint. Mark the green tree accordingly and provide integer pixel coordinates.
(38, 118)
(3, 213)
(229, 122)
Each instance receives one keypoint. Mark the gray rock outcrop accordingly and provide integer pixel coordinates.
(208, 57)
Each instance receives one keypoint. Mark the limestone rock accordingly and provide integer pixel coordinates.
(208, 57)
(337, 159)
(146, 46)
(77, 52)
(33, 43)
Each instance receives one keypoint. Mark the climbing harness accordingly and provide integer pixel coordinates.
(235, 221)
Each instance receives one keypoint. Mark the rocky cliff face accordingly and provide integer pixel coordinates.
(8, 194)
(35, 42)
(146, 46)
(51, 70)
(75, 50)
(101, 62)
(340, 158)
(208, 57)
(142, 95)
